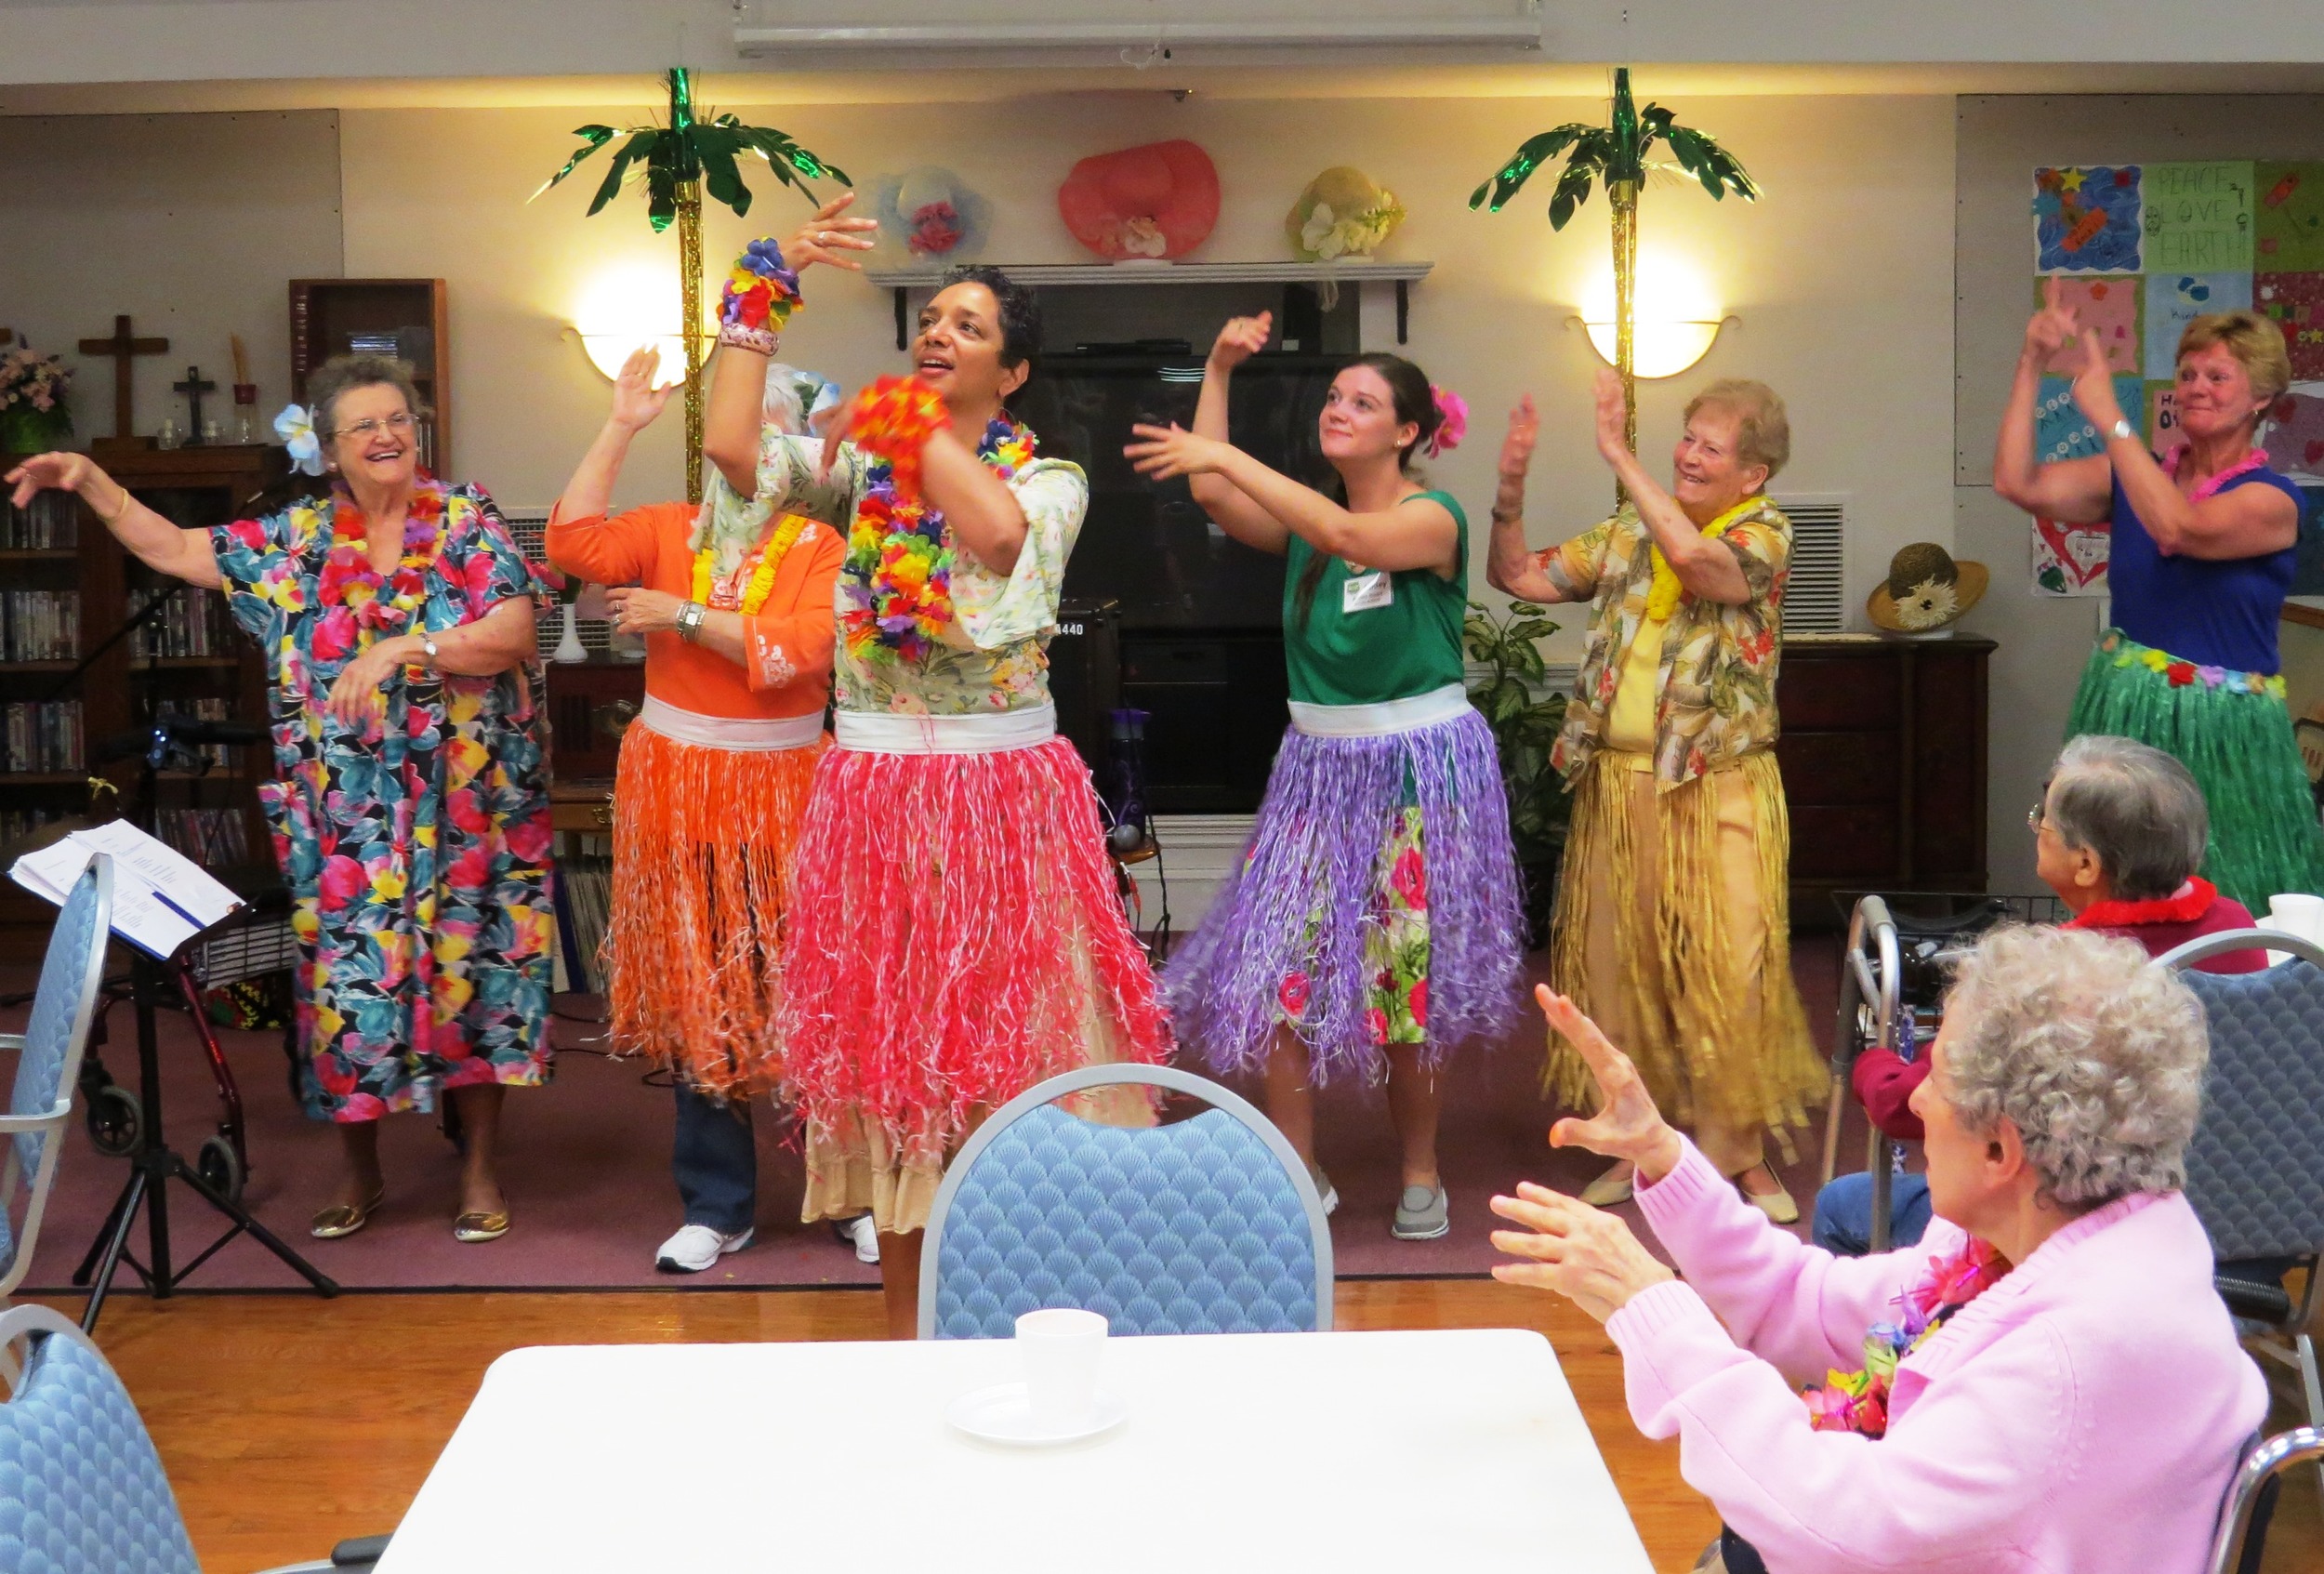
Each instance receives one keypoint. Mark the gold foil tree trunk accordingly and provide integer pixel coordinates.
(1623, 197)
(690, 316)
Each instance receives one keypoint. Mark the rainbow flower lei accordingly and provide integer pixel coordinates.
(1857, 1401)
(895, 595)
(759, 297)
(349, 581)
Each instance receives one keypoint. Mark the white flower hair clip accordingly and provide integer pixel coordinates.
(297, 429)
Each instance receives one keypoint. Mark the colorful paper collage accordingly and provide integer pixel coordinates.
(2140, 251)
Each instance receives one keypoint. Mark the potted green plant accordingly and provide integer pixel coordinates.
(1525, 725)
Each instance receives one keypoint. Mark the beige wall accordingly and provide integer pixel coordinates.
(1843, 276)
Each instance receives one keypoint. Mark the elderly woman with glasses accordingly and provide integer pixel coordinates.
(2118, 833)
(410, 807)
(2046, 1381)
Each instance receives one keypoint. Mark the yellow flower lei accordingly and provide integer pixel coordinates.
(771, 556)
(1662, 598)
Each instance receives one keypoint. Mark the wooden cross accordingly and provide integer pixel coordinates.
(123, 346)
(193, 388)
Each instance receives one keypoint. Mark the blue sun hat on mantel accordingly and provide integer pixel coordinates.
(928, 214)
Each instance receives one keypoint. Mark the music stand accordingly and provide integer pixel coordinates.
(155, 1163)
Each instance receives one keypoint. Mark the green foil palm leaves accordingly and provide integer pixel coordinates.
(1621, 154)
(678, 162)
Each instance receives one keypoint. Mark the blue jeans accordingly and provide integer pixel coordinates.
(1844, 1214)
(715, 1162)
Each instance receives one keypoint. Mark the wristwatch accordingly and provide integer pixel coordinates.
(2121, 430)
(427, 650)
(690, 618)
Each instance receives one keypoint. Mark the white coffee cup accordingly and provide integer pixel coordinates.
(2297, 913)
(1061, 1346)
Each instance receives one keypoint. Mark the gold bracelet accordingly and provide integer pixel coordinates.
(110, 520)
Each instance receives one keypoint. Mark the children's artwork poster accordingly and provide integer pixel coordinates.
(2140, 251)
(2071, 559)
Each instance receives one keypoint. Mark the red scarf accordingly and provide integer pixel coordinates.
(2187, 904)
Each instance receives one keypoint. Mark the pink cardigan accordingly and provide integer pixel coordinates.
(2080, 1416)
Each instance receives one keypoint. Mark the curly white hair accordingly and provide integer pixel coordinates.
(2092, 1052)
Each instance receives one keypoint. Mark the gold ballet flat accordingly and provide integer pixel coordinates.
(474, 1228)
(340, 1220)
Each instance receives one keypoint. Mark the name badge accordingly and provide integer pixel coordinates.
(1362, 592)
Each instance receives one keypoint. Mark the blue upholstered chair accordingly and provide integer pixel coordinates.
(2256, 1170)
(1207, 1225)
(48, 1063)
(82, 1487)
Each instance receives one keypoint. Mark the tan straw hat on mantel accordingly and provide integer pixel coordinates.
(1926, 593)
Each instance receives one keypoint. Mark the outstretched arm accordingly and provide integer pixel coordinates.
(2071, 491)
(1417, 533)
(155, 541)
(1509, 566)
(1218, 498)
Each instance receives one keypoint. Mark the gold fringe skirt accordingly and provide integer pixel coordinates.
(702, 853)
(1673, 934)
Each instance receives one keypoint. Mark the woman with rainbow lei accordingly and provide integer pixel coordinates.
(735, 602)
(2046, 1381)
(1374, 924)
(410, 808)
(2204, 542)
(954, 934)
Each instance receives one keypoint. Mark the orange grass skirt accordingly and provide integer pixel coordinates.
(702, 855)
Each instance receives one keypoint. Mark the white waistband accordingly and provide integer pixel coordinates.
(1380, 720)
(740, 735)
(986, 732)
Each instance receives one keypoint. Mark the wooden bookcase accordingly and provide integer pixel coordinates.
(402, 317)
(196, 487)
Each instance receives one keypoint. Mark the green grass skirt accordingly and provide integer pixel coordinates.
(2235, 735)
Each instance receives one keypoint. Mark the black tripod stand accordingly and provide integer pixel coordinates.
(155, 1163)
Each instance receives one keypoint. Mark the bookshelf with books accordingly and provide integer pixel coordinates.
(69, 587)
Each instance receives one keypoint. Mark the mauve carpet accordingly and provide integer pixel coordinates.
(586, 1162)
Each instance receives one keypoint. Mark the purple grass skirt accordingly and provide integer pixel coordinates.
(1307, 891)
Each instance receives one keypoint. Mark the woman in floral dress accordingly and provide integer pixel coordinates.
(411, 805)
(954, 934)
(1375, 924)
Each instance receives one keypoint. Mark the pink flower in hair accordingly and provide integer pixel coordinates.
(1452, 421)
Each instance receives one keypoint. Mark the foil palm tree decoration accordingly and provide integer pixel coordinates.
(678, 161)
(1618, 154)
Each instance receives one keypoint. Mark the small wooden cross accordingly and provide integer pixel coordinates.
(123, 346)
(193, 388)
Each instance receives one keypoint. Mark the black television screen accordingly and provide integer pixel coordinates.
(1145, 545)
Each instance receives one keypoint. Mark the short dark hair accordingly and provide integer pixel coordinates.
(1019, 311)
(342, 375)
(2137, 808)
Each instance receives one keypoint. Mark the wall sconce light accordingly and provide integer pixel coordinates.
(608, 350)
(1658, 349)
(626, 306)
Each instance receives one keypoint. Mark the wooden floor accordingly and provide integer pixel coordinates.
(287, 1422)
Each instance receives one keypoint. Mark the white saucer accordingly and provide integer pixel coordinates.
(1000, 1414)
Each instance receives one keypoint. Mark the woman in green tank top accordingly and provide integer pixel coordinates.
(1373, 924)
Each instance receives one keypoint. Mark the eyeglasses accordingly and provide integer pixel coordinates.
(2036, 814)
(365, 430)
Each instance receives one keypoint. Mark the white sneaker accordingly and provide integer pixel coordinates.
(697, 1247)
(866, 1234)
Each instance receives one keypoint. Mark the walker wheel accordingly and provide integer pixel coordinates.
(219, 1167)
(116, 1121)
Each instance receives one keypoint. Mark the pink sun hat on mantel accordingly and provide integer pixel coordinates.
(1149, 203)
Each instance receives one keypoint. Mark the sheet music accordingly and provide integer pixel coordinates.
(161, 898)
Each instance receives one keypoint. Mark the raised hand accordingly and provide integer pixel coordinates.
(59, 472)
(635, 400)
(1524, 430)
(829, 236)
(1172, 450)
(1240, 340)
(1613, 417)
(1585, 1255)
(1627, 1125)
(2052, 327)
(2093, 387)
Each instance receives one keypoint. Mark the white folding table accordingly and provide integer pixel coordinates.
(1339, 1452)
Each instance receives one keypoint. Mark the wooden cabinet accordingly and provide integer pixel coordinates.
(1883, 756)
(402, 318)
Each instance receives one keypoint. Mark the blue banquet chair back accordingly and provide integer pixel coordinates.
(82, 1486)
(48, 1065)
(1204, 1225)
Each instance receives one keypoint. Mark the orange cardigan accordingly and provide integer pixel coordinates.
(788, 641)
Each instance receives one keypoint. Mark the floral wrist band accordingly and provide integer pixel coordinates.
(759, 297)
(893, 419)
(761, 339)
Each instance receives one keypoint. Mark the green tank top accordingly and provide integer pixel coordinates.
(1390, 638)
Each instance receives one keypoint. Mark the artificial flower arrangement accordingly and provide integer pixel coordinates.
(33, 409)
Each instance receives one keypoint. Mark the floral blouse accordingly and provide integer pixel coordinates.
(996, 659)
(1716, 688)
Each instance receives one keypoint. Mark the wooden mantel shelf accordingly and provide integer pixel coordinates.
(1404, 275)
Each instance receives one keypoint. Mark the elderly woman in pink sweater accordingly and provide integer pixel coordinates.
(2046, 1382)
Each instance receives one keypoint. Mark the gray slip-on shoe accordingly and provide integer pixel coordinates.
(1423, 1215)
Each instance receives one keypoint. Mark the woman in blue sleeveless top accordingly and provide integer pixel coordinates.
(2202, 552)
(1374, 922)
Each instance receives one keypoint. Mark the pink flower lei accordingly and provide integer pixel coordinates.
(1857, 1401)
